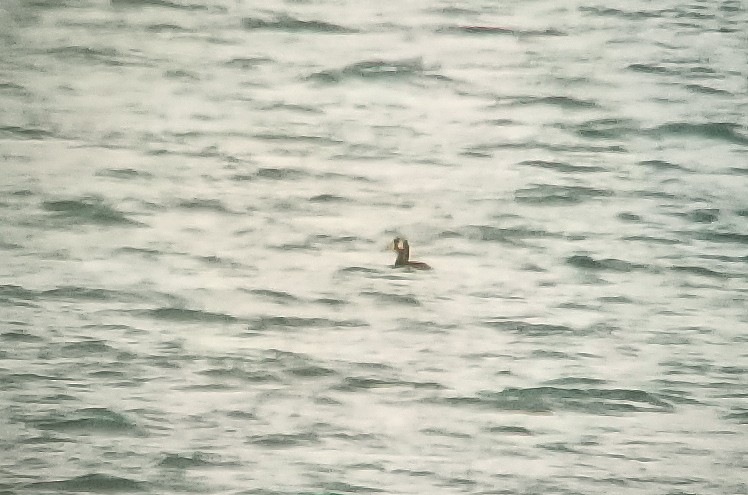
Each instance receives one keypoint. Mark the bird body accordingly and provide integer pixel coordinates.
(402, 248)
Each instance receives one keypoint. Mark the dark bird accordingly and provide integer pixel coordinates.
(402, 248)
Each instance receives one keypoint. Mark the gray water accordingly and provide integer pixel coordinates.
(195, 198)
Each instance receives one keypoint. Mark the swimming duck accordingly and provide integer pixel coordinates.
(402, 248)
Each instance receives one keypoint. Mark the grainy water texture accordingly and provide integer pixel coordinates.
(196, 196)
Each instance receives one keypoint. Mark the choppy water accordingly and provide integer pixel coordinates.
(195, 197)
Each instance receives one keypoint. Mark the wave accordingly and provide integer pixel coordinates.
(625, 14)
(662, 165)
(215, 205)
(15, 292)
(597, 401)
(33, 133)
(605, 128)
(94, 483)
(723, 131)
(356, 383)
(698, 88)
(530, 329)
(88, 210)
(157, 3)
(271, 173)
(508, 235)
(561, 166)
(90, 420)
(374, 69)
(607, 264)
(551, 194)
(554, 100)
(499, 30)
(106, 56)
(288, 322)
(288, 23)
(701, 271)
(123, 173)
(197, 459)
(387, 298)
(284, 440)
(188, 315)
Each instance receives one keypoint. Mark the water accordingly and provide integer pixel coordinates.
(196, 197)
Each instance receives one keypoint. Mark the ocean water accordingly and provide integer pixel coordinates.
(196, 196)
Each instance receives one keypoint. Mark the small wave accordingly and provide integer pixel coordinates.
(238, 373)
(157, 3)
(272, 322)
(328, 198)
(88, 294)
(559, 101)
(273, 174)
(561, 166)
(215, 205)
(704, 215)
(551, 194)
(94, 483)
(13, 89)
(15, 132)
(611, 12)
(247, 62)
(698, 88)
(650, 69)
(88, 210)
(196, 460)
(66, 293)
(740, 416)
(700, 270)
(724, 131)
(288, 23)
(393, 298)
(508, 235)
(607, 264)
(189, 315)
(499, 30)
(358, 269)
(21, 336)
(106, 56)
(87, 347)
(123, 173)
(100, 420)
(357, 383)
(373, 69)
(166, 28)
(718, 236)
(530, 329)
(605, 128)
(661, 165)
(549, 399)
(182, 74)
(278, 296)
(284, 440)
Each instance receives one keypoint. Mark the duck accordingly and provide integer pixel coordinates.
(402, 248)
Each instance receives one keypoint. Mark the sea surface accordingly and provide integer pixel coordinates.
(195, 202)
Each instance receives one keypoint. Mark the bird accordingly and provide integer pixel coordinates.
(402, 248)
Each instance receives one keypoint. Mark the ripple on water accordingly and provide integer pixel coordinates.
(605, 264)
(187, 315)
(93, 483)
(595, 401)
(89, 420)
(553, 195)
(404, 69)
(88, 210)
(294, 25)
(297, 322)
